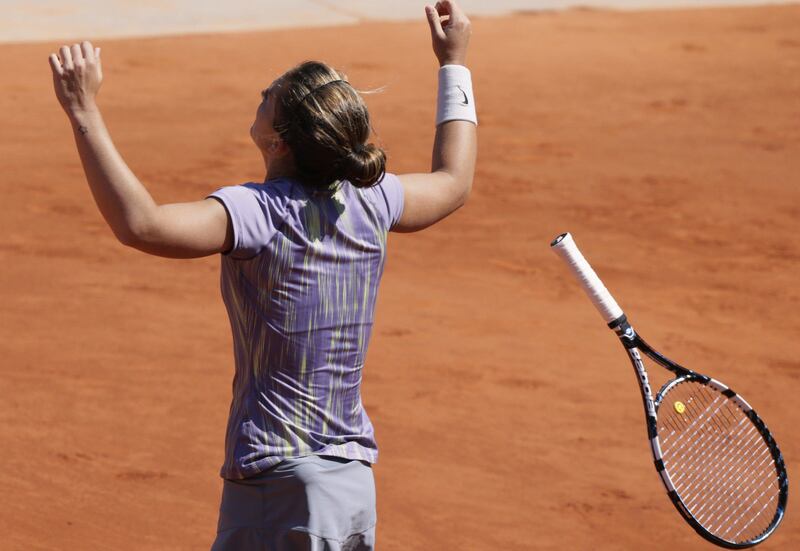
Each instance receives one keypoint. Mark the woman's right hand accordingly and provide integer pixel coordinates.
(77, 76)
(450, 31)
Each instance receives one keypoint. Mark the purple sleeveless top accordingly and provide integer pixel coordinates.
(299, 285)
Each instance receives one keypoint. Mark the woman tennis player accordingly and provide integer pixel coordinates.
(302, 253)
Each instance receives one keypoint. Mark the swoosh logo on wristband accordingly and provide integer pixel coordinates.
(466, 101)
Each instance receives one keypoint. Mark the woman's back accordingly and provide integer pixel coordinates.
(300, 285)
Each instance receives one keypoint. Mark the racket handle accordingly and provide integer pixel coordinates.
(565, 247)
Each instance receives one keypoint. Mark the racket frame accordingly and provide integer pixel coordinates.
(635, 346)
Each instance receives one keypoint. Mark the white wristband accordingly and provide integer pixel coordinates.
(456, 101)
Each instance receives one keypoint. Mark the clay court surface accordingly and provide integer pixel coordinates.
(507, 415)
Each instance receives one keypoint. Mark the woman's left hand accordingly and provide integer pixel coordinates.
(77, 76)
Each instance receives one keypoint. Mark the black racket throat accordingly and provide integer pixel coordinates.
(630, 339)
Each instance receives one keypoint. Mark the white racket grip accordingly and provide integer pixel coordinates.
(565, 247)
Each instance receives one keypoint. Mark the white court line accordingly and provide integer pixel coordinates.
(38, 20)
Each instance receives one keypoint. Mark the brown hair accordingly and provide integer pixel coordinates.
(325, 124)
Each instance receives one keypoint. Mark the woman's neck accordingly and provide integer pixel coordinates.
(279, 168)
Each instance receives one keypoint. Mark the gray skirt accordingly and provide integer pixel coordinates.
(311, 503)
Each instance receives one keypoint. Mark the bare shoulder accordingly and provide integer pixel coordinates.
(187, 230)
(428, 198)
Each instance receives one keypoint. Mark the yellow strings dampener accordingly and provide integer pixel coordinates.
(679, 406)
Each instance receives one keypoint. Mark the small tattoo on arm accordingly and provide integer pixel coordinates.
(83, 130)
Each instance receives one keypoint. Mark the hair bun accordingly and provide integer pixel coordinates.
(364, 165)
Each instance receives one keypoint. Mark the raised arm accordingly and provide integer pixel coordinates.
(182, 230)
(430, 197)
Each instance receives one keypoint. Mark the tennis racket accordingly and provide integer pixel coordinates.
(721, 467)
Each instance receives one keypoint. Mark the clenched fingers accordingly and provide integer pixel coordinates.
(77, 75)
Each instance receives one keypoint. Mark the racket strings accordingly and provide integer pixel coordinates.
(715, 509)
(706, 504)
(718, 462)
(709, 507)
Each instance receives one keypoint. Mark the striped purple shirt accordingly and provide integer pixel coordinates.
(300, 285)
